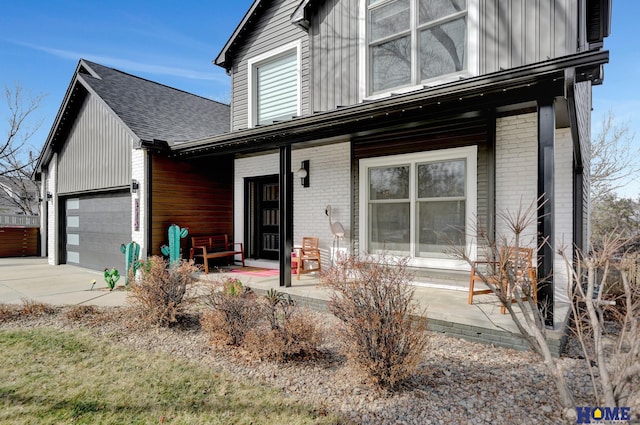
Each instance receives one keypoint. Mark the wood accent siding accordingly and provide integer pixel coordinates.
(19, 241)
(97, 153)
(521, 32)
(334, 46)
(195, 194)
(271, 29)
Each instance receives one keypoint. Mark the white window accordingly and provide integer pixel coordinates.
(274, 85)
(420, 205)
(414, 42)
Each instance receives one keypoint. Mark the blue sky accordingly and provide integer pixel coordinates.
(174, 44)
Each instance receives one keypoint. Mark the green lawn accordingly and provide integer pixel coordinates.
(53, 377)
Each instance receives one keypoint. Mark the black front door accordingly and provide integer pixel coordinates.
(263, 216)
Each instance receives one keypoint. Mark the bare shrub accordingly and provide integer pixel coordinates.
(606, 311)
(373, 298)
(8, 312)
(36, 308)
(160, 291)
(81, 312)
(288, 332)
(234, 310)
(28, 307)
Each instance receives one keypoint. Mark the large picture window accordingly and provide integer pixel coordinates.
(419, 205)
(274, 86)
(414, 41)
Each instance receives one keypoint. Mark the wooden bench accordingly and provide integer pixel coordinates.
(214, 246)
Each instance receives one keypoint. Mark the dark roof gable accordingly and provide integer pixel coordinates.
(150, 110)
(155, 111)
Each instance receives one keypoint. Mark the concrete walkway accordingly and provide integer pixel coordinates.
(32, 278)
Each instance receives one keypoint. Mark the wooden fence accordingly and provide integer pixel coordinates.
(19, 220)
(19, 241)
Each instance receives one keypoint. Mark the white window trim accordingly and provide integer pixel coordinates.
(256, 60)
(473, 55)
(470, 154)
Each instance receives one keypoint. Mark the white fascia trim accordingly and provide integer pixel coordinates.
(362, 51)
(470, 153)
(251, 64)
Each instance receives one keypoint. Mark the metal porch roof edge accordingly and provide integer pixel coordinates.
(523, 76)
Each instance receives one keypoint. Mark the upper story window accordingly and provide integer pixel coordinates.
(413, 41)
(274, 85)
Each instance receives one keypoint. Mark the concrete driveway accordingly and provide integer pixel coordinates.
(34, 279)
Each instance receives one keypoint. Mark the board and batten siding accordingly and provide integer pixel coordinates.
(520, 32)
(334, 45)
(97, 154)
(512, 33)
(271, 29)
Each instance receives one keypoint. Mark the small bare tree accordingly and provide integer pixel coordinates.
(614, 160)
(508, 282)
(17, 155)
(606, 310)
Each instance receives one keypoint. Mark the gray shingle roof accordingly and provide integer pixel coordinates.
(155, 111)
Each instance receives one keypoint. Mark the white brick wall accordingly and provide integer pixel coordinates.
(563, 210)
(329, 172)
(329, 177)
(249, 167)
(516, 171)
(138, 167)
(516, 184)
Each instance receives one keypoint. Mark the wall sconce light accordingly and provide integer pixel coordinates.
(49, 196)
(303, 173)
(134, 186)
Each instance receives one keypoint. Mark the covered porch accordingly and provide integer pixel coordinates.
(447, 310)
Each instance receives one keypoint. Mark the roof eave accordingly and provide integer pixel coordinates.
(221, 59)
(583, 63)
(46, 153)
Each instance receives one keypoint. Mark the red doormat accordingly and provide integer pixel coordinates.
(256, 271)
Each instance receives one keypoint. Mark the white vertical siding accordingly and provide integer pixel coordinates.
(138, 167)
(52, 208)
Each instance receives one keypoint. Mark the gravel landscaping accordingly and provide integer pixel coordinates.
(460, 382)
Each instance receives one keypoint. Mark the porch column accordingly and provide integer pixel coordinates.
(546, 243)
(286, 216)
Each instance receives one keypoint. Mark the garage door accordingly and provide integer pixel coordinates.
(95, 227)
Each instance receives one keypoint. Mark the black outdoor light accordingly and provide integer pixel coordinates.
(303, 173)
(134, 186)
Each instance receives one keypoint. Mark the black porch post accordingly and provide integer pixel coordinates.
(286, 216)
(546, 202)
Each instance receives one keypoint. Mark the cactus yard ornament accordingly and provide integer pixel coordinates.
(131, 253)
(173, 250)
